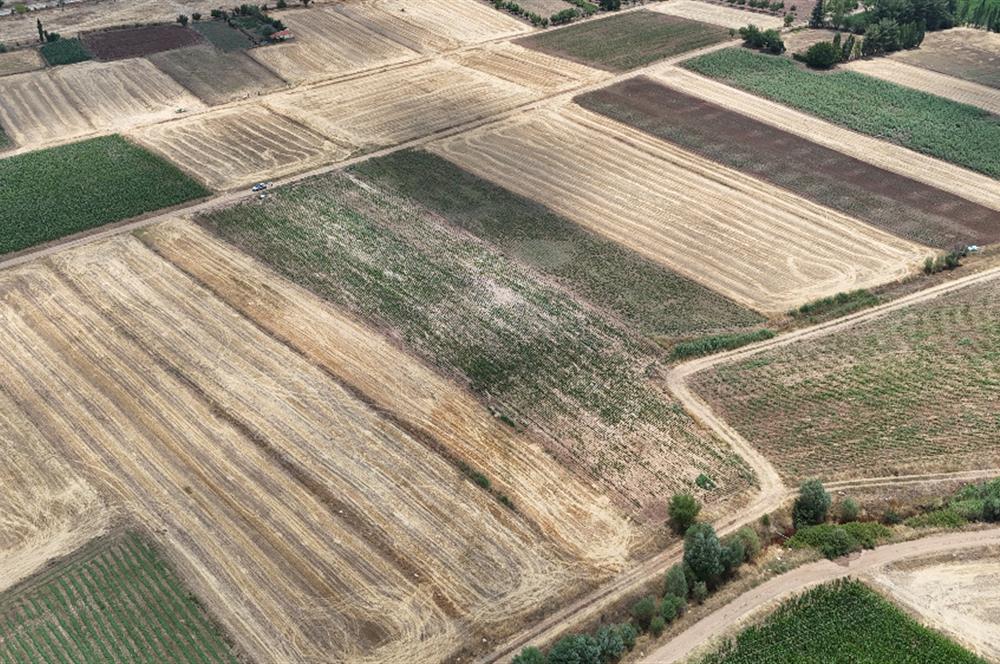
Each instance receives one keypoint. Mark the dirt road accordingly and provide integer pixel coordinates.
(766, 595)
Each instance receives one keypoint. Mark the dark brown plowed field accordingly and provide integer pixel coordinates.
(124, 43)
(894, 203)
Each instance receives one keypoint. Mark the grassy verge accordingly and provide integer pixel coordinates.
(843, 621)
(717, 342)
(56, 192)
(835, 306)
(648, 297)
(118, 603)
(955, 132)
(627, 41)
(65, 52)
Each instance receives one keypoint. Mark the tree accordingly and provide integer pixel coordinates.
(675, 583)
(530, 655)
(657, 625)
(610, 643)
(813, 503)
(182, 19)
(817, 16)
(732, 555)
(611, 5)
(849, 510)
(703, 552)
(196, 16)
(751, 542)
(628, 635)
(576, 649)
(671, 607)
(683, 511)
(699, 592)
(837, 544)
(821, 55)
(41, 30)
(643, 611)
(838, 9)
(991, 509)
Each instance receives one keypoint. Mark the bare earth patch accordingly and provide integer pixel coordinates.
(18, 62)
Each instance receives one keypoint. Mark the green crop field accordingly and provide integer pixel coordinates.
(958, 133)
(913, 390)
(65, 52)
(115, 602)
(222, 36)
(56, 192)
(650, 298)
(537, 356)
(843, 622)
(627, 41)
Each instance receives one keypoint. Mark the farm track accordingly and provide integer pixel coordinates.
(925, 80)
(770, 593)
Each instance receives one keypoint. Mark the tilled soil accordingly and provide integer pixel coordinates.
(136, 42)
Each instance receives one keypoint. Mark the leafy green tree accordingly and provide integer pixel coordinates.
(628, 634)
(732, 555)
(812, 505)
(576, 649)
(671, 607)
(816, 19)
(530, 655)
(643, 611)
(683, 510)
(703, 552)
(675, 583)
(821, 55)
(610, 642)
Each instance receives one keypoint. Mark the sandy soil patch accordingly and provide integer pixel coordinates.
(727, 17)
(942, 85)
(703, 220)
(18, 62)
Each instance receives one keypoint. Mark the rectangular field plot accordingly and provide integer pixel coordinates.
(649, 297)
(911, 391)
(463, 21)
(64, 103)
(402, 104)
(113, 601)
(18, 62)
(328, 43)
(627, 41)
(727, 17)
(902, 206)
(121, 43)
(963, 135)
(756, 244)
(217, 77)
(966, 53)
(233, 447)
(532, 69)
(233, 147)
(56, 192)
(538, 358)
(942, 85)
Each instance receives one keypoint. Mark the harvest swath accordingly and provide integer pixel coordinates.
(902, 206)
(58, 105)
(840, 622)
(115, 601)
(539, 359)
(208, 431)
(913, 390)
(964, 135)
(682, 210)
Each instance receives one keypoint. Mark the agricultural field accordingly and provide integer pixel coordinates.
(949, 87)
(532, 69)
(649, 298)
(541, 361)
(18, 62)
(894, 158)
(899, 205)
(545, 8)
(370, 112)
(65, 52)
(54, 106)
(956, 593)
(961, 134)
(627, 41)
(123, 43)
(114, 601)
(913, 390)
(233, 147)
(843, 621)
(681, 210)
(56, 192)
(206, 429)
(464, 21)
(217, 77)
(966, 53)
(220, 35)
(726, 16)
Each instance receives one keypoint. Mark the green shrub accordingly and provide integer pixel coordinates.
(849, 510)
(821, 55)
(943, 518)
(675, 583)
(717, 342)
(699, 592)
(835, 540)
(643, 611)
(610, 644)
(657, 625)
(576, 649)
(683, 510)
(751, 542)
(628, 634)
(529, 655)
(703, 553)
(812, 504)
(65, 52)
(672, 607)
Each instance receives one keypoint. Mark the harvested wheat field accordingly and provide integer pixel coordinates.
(727, 17)
(232, 147)
(708, 222)
(47, 509)
(53, 106)
(532, 69)
(18, 62)
(966, 53)
(401, 104)
(231, 446)
(217, 77)
(398, 383)
(962, 182)
(912, 391)
(542, 361)
(464, 21)
(942, 85)
(955, 593)
(327, 43)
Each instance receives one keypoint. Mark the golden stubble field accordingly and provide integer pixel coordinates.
(353, 537)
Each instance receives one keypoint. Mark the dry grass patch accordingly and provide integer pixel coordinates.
(18, 62)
